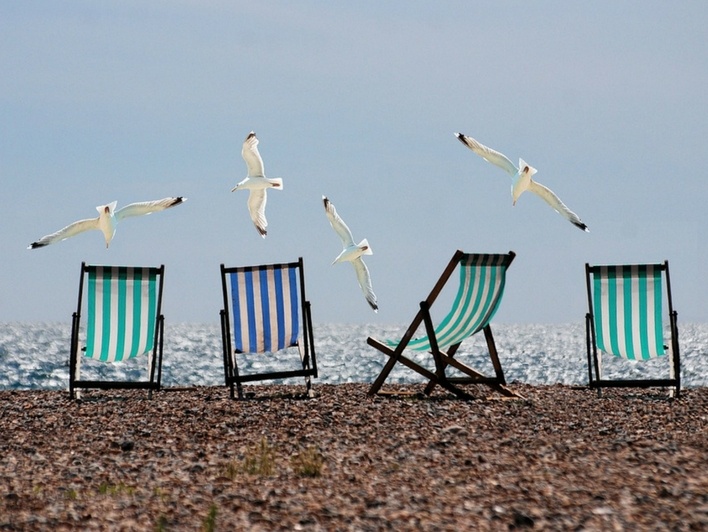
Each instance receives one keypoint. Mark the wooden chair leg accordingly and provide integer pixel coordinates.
(492, 347)
(450, 353)
(390, 363)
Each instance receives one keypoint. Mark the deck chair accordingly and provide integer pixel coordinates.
(123, 321)
(482, 279)
(265, 311)
(625, 320)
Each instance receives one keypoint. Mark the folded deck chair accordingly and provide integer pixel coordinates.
(482, 279)
(123, 321)
(625, 320)
(265, 311)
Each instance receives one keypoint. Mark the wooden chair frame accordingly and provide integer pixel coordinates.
(594, 355)
(442, 359)
(305, 344)
(153, 382)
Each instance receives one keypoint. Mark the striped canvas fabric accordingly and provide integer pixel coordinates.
(482, 279)
(265, 308)
(627, 306)
(122, 310)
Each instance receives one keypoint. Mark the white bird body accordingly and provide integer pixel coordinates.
(256, 183)
(107, 220)
(352, 253)
(522, 179)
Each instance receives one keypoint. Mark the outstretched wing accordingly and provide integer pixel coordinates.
(338, 224)
(250, 154)
(148, 207)
(364, 278)
(488, 154)
(67, 232)
(547, 195)
(257, 199)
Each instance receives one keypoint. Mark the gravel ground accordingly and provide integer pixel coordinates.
(562, 459)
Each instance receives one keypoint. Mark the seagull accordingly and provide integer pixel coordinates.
(352, 252)
(108, 218)
(522, 179)
(256, 183)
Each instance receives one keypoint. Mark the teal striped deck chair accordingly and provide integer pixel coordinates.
(123, 321)
(625, 320)
(266, 313)
(481, 286)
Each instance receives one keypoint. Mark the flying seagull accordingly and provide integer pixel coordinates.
(522, 179)
(108, 218)
(256, 183)
(352, 252)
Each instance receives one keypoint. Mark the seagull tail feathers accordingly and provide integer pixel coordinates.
(365, 247)
(523, 164)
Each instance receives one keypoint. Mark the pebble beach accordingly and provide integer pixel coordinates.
(561, 458)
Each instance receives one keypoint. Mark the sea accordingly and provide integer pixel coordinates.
(35, 356)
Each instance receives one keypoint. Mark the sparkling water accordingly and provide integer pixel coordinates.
(36, 356)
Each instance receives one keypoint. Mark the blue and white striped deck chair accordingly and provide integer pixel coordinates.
(482, 280)
(625, 320)
(265, 311)
(123, 321)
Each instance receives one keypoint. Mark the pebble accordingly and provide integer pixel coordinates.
(560, 459)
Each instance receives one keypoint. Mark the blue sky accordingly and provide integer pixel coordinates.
(134, 101)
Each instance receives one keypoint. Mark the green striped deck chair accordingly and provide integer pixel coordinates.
(625, 320)
(481, 286)
(123, 321)
(265, 312)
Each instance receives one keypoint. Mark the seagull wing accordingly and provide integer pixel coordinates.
(67, 232)
(148, 207)
(338, 224)
(362, 274)
(250, 154)
(547, 195)
(257, 199)
(488, 154)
